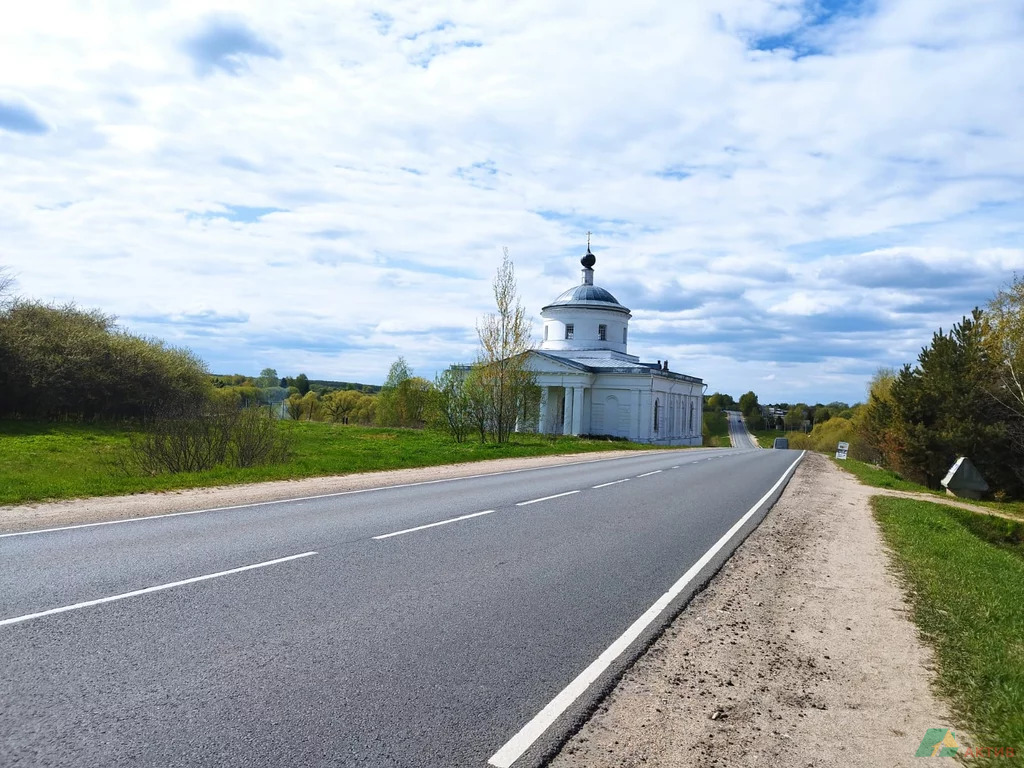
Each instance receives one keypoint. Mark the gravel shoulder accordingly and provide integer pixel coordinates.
(100, 509)
(799, 653)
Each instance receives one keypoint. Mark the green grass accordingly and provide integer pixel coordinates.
(966, 581)
(766, 437)
(877, 477)
(62, 460)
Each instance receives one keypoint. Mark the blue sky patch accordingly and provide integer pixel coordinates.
(225, 44)
(18, 118)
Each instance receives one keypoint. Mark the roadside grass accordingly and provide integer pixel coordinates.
(965, 579)
(766, 437)
(716, 430)
(66, 460)
(877, 477)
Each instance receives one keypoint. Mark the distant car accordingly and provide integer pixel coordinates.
(781, 442)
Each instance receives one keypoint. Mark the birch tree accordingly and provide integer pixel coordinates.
(504, 341)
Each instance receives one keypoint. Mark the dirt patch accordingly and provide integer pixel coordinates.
(76, 511)
(799, 653)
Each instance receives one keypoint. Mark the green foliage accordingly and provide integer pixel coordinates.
(64, 362)
(302, 383)
(749, 404)
(715, 429)
(47, 460)
(404, 400)
(879, 477)
(268, 378)
(965, 591)
(719, 402)
(451, 410)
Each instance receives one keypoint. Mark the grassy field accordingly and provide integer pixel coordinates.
(965, 576)
(60, 461)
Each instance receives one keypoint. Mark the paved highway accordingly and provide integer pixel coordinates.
(465, 622)
(738, 434)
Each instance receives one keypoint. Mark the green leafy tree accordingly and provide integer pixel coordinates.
(451, 411)
(302, 383)
(267, 378)
(748, 403)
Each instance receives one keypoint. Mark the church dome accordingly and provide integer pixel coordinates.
(586, 293)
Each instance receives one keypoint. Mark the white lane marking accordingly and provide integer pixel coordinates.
(546, 498)
(639, 454)
(432, 525)
(648, 474)
(147, 590)
(613, 482)
(524, 739)
(676, 467)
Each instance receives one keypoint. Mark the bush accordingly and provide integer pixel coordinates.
(193, 440)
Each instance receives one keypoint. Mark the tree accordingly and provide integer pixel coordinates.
(62, 361)
(748, 403)
(302, 383)
(504, 342)
(267, 378)
(1004, 343)
(451, 408)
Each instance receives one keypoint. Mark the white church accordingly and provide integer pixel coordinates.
(591, 385)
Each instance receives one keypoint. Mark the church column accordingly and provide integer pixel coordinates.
(637, 419)
(542, 422)
(567, 417)
(577, 411)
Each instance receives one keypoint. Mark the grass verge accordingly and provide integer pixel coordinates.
(877, 477)
(965, 578)
(766, 437)
(62, 460)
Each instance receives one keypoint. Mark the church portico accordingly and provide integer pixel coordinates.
(590, 384)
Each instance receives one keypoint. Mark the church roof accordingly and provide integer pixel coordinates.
(586, 293)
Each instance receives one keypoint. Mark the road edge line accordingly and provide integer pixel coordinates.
(528, 735)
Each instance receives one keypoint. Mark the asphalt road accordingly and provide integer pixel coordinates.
(301, 633)
(738, 434)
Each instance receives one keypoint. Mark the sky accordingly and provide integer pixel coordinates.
(788, 195)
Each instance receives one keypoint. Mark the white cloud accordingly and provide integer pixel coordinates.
(790, 200)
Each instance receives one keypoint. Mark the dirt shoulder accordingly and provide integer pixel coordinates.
(799, 653)
(103, 508)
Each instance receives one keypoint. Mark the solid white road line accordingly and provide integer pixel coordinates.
(147, 590)
(648, 474)
(319, 496)
(546, 498)
(613, 482)
(518, 744)
(432, 525)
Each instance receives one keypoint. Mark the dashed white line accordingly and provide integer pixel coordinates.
(524, 739)
(613, 482)
(147, 590)
(546, 498)
(311, 498)
(432, 525)
(648, 474)
(676, 467)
